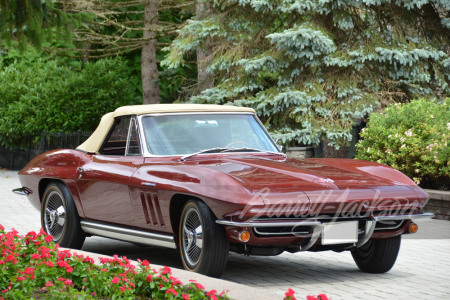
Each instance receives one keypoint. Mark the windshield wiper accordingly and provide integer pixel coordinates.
(253, 150)
(223, 150)
(210, 150)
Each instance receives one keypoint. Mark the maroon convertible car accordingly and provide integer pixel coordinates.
(209, 179)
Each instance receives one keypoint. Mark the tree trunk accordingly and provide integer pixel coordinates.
(86, 47)
(331, 151)
(205, 80)
(149, 67)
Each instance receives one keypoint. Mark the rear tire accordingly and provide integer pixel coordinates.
(203, 243)
(377, 256)
(59, 216)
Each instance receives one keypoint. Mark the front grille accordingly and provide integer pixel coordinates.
(389, 225)
(305, 231)
(284, 231)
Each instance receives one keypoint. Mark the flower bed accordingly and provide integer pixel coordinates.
(32, 266)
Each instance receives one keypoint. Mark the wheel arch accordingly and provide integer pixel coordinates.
(44, 182)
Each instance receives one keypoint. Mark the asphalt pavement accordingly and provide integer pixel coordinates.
(422, 270)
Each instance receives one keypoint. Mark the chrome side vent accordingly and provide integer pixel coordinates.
(151, 207)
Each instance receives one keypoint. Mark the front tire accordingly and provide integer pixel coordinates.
(204, 246)
(377, 256)
(59, 216)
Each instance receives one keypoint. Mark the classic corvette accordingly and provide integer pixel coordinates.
(208, 179)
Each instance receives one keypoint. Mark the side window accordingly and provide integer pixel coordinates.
(134, 148)
(117, 140)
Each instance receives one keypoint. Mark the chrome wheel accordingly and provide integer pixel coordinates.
(192, 237)
(55, 215)
(203, 243)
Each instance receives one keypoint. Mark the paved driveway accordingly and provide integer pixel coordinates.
(422, 270)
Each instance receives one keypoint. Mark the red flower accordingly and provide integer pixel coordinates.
(63, 264)
(149, 278)
(145, 263)
(69, 269)
(1, 227)
(166, 270)
(68, 282)
(322, 297)
(63, 254)
(116, 280)
(199, 286)
(185, 296)
(172, 291)
(29, 270)
(290, 295)
(212, 294)
(32, 235)
(10, 257)
(45, 252)
(49, 238)
(122, 288)
(20, 278)
(88, 260)
(49, 264)
(35, 256)
(2, 262)
(48, 284)
(175, 281)
(311, 298)
(104, 260)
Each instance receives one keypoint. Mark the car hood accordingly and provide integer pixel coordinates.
(328, 184)
(258, 173)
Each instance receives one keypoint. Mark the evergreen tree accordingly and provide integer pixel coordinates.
(310, 68)
(26, 21)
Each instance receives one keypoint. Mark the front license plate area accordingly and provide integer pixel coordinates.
(340, 233)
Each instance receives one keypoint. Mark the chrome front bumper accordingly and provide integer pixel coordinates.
(317, 226)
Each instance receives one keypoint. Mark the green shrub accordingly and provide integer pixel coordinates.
(59, 94)
(412, 138)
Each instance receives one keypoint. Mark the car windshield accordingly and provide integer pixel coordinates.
(183, 134)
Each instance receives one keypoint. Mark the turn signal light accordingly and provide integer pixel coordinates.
(413, 228)
(244, 236)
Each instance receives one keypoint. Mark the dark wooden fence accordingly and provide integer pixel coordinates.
(16, 159)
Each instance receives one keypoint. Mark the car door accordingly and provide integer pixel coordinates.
(103, 182)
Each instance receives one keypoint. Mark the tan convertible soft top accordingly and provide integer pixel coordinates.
(94, 142)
